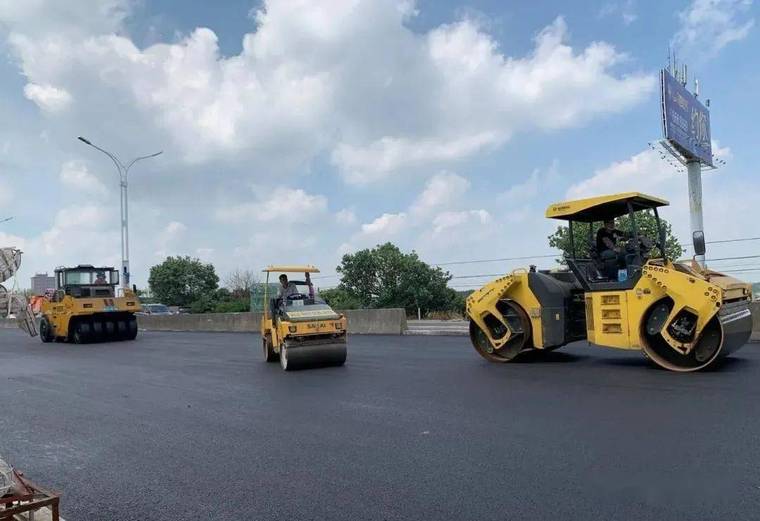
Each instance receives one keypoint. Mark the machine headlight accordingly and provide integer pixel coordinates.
(292, 329)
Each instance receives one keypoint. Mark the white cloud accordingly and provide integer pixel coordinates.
(71, 225)
(47, 97)
(385, 226)
(447, 222)
(294, 90)
(346, 80)
(75, 175)
(709, 25)
(168, 240)
(441, 190)
(346, 217)
(363, 164)
(644, 172)
(283, 205)
(434, 214)
(720, 152)
(531, 186)
(175, 228)
(625, 9)
(70, 18)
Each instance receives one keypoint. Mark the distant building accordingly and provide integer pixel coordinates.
(42, 282)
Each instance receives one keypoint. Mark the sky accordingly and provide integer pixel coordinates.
(296, 131)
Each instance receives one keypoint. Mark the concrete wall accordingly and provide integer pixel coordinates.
(236, 322)
(360, 321)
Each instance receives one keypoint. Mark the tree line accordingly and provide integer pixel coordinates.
(379, 277)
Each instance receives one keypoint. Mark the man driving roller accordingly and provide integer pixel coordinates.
(610, 253)
(286, 288)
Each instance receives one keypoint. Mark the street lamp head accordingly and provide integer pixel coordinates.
(83, 140)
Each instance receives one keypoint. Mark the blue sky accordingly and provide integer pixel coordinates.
(297, 131)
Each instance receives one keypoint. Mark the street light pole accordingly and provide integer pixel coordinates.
(123, 173)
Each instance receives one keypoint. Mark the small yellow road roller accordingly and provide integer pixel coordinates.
(298, 328)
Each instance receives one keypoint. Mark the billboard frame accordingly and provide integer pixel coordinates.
(679, 136)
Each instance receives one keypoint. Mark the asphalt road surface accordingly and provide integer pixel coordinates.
(195, 426)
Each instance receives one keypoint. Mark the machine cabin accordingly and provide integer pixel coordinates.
(86, 281)
(585, 262)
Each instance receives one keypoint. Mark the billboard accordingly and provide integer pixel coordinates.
(685, 121)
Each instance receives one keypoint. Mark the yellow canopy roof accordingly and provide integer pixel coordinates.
(603, 207)
(291, 268)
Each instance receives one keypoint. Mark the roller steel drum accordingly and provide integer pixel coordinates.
(729, 330)
(310, 354)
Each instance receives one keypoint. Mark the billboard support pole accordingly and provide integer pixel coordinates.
(694, 171)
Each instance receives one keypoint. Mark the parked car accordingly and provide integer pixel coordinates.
(155, 309)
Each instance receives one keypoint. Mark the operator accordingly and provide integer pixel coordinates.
(610, 253)
(286, 289)
(101, 278)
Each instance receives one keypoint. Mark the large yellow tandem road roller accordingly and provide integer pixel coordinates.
(682, 316)
(300, 329)
(85, 308)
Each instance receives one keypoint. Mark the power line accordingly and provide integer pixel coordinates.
(496, 260)
(741, 239)
(734, 258)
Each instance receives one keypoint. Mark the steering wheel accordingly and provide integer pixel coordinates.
(296, 296)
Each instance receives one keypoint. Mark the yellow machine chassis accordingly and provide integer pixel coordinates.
(63, 316)
(308, 338)
(682, 316)
(614, 318)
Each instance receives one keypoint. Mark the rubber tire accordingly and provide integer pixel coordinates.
(268, 350)
(79, 336)
(109, 330)
(46, 331)
(132, 328)
(121, 330)
(97, 330)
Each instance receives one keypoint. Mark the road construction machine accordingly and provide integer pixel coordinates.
(85, 307)
(684, 317)
(298, 328)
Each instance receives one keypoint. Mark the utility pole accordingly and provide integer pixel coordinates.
(694, 172)
(123, 179)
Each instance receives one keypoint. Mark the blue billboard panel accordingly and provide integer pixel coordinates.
(685, 121)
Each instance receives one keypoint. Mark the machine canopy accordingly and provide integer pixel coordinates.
(602, 208)
(291, 268)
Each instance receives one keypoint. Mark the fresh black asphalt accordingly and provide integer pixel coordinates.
(194, 426)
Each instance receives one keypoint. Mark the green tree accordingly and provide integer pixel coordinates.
(181, 281)
(646, 225)
(384, 276)
(339, 298)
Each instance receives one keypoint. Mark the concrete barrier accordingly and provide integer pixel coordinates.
(234, 322)
(360, 322)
